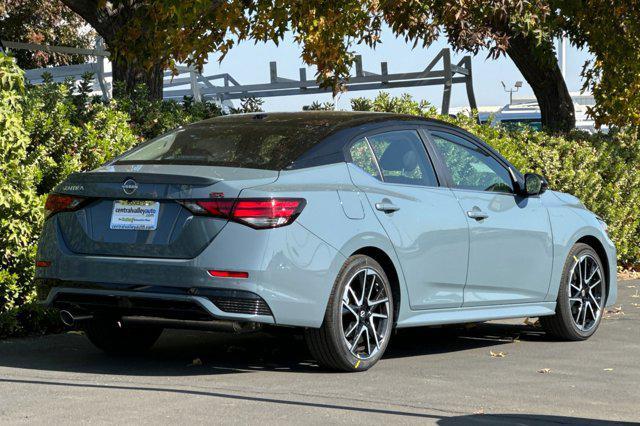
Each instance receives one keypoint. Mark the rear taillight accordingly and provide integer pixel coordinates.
(57, 203)
(257, 213)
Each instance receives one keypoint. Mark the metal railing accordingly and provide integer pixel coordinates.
(227, 88)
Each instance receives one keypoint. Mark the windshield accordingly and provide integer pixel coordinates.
(258, 145)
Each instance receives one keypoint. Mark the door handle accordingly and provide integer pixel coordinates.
(387, 207)
(477, 214)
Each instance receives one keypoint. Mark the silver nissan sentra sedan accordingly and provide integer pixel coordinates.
(344, 224)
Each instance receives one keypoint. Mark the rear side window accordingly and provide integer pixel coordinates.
(250, 145)
(362, 157)
(402, 158)
(470, 167)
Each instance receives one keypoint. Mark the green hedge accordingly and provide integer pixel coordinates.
(46, 133)
(603, 171)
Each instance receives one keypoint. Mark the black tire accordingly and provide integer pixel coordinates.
(328, 345)
(112, 339)
(563, 325)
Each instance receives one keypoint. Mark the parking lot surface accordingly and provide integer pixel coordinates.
(495, 373)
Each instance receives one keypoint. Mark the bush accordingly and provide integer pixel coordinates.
(150, 118)
(46, 133)
(29, 319)
(20, 205)
(603, 171)
(69, 131)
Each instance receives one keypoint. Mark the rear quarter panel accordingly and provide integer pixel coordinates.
(337, 213)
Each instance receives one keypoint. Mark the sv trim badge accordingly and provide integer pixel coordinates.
(129, 186)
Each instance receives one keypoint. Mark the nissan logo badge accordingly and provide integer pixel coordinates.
(129, 186)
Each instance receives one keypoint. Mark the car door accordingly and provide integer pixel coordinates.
(510, 241)
(422, 219)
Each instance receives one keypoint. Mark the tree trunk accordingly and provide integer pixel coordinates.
(107, 20)
(539, 67)
(131, 75)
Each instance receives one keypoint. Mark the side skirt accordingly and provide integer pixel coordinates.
(475, 314)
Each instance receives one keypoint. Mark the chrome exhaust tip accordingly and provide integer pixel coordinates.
(69, 320)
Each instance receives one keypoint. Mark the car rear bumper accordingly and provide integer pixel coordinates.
(175, 303)
(290, 269)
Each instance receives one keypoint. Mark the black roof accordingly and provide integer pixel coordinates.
(325, 122)
(323, 134)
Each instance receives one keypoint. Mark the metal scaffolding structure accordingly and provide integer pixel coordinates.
(189, 82)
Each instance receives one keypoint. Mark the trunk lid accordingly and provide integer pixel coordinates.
(177, 234)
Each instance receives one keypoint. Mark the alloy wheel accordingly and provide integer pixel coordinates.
(585, 292)
(365, 313)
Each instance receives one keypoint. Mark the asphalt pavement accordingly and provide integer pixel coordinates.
(503, 372)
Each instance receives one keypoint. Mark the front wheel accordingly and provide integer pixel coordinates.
(581, 297)
(359, 318)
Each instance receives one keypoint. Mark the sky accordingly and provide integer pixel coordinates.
(248, 63)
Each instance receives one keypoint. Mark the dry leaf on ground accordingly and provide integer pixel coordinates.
(614, 312)
(196, 361)
(532, 322)
(497, 354)
(544, 371)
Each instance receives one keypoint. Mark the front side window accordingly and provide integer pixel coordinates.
(470, 167)
(402, 158)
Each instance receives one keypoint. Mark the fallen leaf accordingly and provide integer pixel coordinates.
(544, 371)
(532, 323)
(637, 305)
(608, 369)
(613, 313)
(196, 361)
(631, 286)
(636, 295)
(497, 354)
(480, 411)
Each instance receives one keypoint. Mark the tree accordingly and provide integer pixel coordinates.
(611, 32)
(43, 22)
(522, 29)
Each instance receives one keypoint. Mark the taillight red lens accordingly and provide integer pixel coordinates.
(62, 203)
(267, 213)
(255, 212)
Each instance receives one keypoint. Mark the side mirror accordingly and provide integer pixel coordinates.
(534, 184)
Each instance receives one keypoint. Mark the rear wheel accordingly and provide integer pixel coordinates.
(114, 339)
(359, 318)
(581, 297)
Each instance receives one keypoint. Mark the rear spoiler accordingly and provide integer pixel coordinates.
(157, 178)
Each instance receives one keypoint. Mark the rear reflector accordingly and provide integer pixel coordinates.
(228, 274)
(57, 203)
(43, 263)
(257, 213)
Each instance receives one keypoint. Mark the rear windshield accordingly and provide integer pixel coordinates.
(258, 145)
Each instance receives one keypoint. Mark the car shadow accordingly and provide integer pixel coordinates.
(525, 420)
(184, 353)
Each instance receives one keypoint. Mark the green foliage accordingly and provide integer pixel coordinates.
(70, 131)
(603, 171)
(50, 131)
(150, 118)
(44, 22)
(317, 106)
(248, 105)
(29, 319)
(20, 206)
